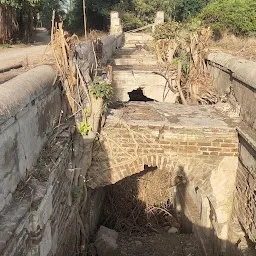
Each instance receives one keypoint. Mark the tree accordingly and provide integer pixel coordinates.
(235, 16)
(187, 9)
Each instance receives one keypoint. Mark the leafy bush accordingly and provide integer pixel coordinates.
(130, 21)
(167, 30)
(236, 16)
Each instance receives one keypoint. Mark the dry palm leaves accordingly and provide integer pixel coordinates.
(187, 48)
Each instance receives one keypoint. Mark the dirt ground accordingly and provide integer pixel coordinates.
(29, 55)
(158, 244)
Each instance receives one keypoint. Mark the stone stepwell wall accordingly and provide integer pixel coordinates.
(30, 106)
(38, 215)
(235, 78)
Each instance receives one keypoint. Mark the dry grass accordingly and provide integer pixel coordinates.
(237, 46)
(93, 34)
(140, 203)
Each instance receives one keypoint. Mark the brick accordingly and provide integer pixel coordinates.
(214, 153)
(214, 149)
(192, 143)
(215, 144)
(192, 149)
(219, 140)
(204, 144)
(230, 145)
(226, 154)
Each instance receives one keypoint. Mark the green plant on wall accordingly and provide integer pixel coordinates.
(101, 89)
(85, 128)
(87, 112)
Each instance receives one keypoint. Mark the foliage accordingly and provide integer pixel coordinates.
(18, 3)
(46, 8)
(87, 112)
(101, 89)
(167, 30)
(188, 9)
(130, 21)
(85, 128)
(4, 46)
(236, 16)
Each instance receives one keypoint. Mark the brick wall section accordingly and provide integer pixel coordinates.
(155, 146)
(245, 196)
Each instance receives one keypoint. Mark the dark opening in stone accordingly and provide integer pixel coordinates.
(137, 95)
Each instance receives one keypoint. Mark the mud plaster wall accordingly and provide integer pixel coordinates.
(235, 78)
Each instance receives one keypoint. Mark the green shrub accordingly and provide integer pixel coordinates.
(167, 30)
(130, 21)
(236, 16)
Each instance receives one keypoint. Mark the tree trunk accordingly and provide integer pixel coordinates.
(6, 23)
(85, 24)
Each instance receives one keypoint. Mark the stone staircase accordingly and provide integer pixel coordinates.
(135, 67)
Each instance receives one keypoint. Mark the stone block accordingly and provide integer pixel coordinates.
(106, 231)
(106, 246)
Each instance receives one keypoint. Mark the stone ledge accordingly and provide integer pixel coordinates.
(18, 92)
(239, 68)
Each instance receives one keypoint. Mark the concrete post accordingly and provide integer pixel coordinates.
(115, 23)
(159, 19)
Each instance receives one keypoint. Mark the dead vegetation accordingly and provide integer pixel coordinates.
(243, 47)
(185, 48)
(148, 203)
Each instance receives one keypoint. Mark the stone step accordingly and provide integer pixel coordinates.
(138, 37)
(136, 55)
(133, 51)
(135, 61)
(140, 77)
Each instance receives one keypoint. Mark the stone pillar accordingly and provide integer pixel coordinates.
(159, 19)
(115, 23)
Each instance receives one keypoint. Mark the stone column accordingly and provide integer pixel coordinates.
(159, 19)
(115, 23)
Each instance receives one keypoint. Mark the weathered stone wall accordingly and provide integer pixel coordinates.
(30, 106)
(38, 207)
(235, 78)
